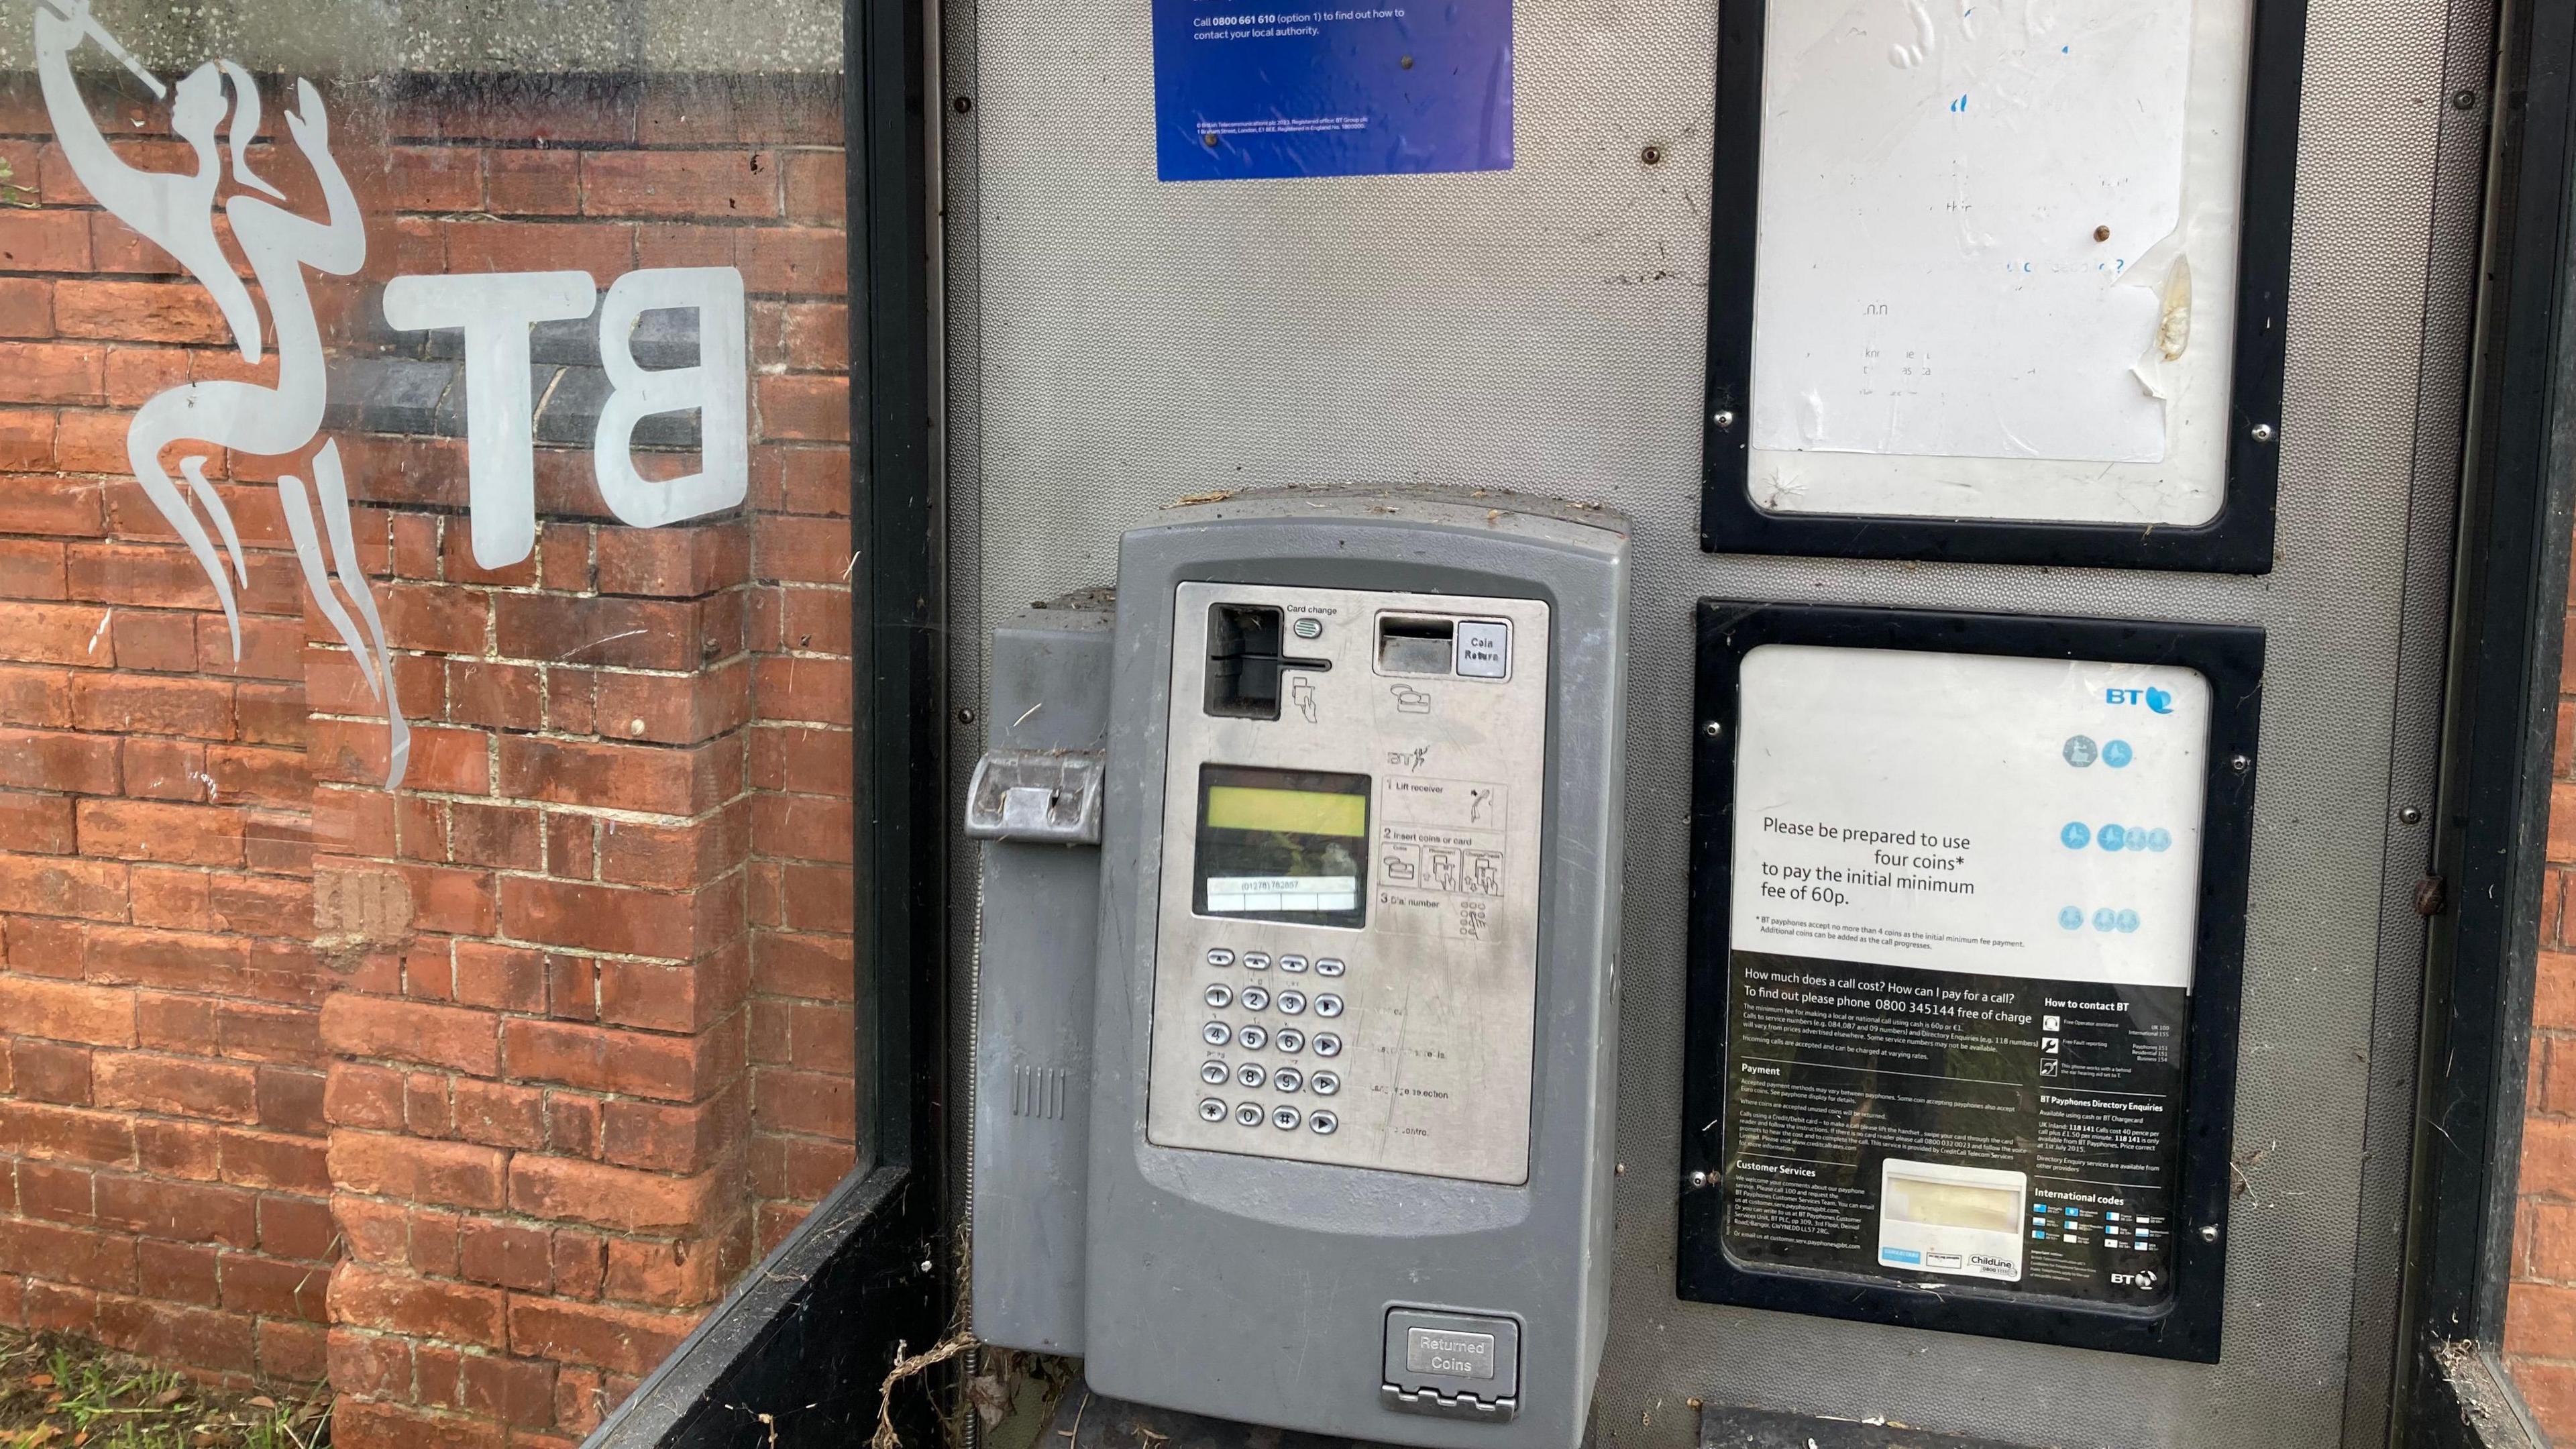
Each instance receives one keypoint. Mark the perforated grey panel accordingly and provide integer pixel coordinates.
(1543, 328)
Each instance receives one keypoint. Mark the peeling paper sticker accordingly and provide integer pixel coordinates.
(1968, 227)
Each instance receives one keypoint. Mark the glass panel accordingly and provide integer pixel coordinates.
(424, 683)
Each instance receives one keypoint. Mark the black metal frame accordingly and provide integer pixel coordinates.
(2238, 540)
(2231, 658)
(795, 1353)
(2509, 604)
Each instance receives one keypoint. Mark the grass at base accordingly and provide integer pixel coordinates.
(59, 1392)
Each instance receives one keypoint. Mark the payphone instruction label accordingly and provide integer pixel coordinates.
(1273, 91)
(1962, 915)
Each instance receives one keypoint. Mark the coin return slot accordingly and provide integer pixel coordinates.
(1415, 645)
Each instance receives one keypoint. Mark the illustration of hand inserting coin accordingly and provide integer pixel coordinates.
(1409, 700)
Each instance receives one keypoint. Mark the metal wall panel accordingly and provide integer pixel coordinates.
(1122, 343)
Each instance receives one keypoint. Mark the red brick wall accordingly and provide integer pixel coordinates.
(469, 1097)
(2540, 1318)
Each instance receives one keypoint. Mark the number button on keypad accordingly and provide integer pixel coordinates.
(1250, 1038)
(1216, 1033)
(1212, 1073)
(1255, 997)
(1292, 1002)
(1284, 1118)
(1288, 1039)
(1219, 996)
(1248, 1115)
(1287, 1079)
(1249, 1074)
(1211, 1110)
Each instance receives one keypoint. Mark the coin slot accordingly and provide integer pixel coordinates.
(1413, 644)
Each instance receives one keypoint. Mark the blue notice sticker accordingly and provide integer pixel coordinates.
(1357, 90)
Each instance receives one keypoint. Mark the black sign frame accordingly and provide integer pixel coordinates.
(2238, 540)
(2187, 1324)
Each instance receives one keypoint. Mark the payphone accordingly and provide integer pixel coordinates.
(1326, 1143)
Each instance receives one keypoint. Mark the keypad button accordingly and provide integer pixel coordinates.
(1211, 1110)
(1288, 1039)
(1284, 1118)
(1286, 1079)
(1325, 1083)
(1248, 1115)
(1216, 1033)
(1250, 1074)
(1330, 966)
(1327, 1044)
(1292, 1002)
(1212, 1073)
(1292, 963)
(1256, 961)
(1323, 1124)
(1220, 956)
(1328, 1006)
(1219, 996)
(1250, 1038)
(1255, 997)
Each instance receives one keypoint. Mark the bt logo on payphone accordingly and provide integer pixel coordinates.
(2158, 700)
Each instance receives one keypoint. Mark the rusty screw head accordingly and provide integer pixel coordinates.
(2101, 233)
(1652, 155)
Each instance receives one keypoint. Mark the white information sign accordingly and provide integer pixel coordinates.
(1997, 237)
(2013, 817)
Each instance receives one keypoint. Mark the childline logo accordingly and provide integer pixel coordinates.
(175, 211)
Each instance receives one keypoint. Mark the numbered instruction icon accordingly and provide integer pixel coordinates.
(2077, 835)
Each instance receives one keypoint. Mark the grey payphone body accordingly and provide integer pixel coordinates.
(1351, 1072)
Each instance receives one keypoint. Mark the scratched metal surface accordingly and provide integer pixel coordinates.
(1130, 342)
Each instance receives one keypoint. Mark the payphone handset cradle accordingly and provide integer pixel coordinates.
(1362, 822)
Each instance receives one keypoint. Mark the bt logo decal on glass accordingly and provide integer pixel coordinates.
(2159, 701)
(176, 211)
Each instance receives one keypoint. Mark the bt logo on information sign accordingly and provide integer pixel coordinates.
(2159, 700)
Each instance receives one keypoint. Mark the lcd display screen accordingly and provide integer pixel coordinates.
(1282, 845)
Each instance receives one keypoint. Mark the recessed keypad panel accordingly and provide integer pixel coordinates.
(1346, 945)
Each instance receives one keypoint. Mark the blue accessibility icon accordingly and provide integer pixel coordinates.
(2117, 754)
(2077, 835)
